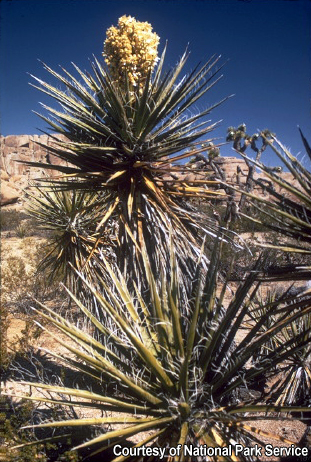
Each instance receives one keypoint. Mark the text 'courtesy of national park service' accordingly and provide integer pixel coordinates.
(203, 450)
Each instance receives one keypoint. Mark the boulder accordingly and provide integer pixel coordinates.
(23, 141)
(9, 195)
(15, 179)
(4, 175)
(11, 141)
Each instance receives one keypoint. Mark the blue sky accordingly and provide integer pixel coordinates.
(267, 43)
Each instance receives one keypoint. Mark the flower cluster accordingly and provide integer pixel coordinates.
(131, 48)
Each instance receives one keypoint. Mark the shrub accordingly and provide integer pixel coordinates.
(22, 230)
(31, 444)
(21, 282)
(10, 219)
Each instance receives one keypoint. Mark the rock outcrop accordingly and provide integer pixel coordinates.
(15, 175)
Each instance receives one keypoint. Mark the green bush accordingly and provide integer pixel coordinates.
(10, 219)
(32, 444)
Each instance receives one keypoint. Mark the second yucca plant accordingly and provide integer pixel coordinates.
(294, 386)
(167, 368)
(71, 218)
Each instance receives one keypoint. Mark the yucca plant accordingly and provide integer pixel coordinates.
(261, 308)
(268, 309)
(294, 387)
(168, 368)
(71, 218)
(127, 129)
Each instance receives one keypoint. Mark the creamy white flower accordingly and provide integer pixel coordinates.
(131, 48)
